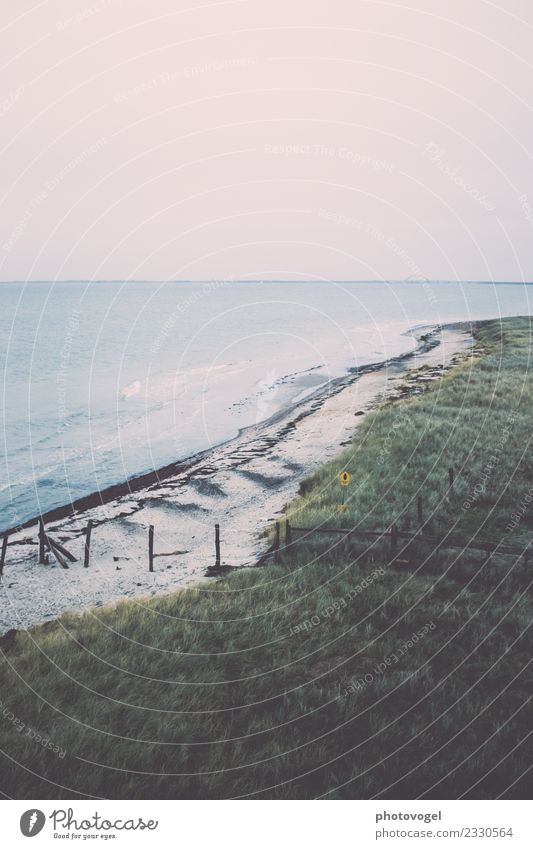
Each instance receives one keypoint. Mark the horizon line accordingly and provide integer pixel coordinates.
(222, 280)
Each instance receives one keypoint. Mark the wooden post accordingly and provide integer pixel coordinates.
(276, 543)
(288, 534)
(88, 530)
(151, 548)
(393, 539)
(420, 510)
(56, 552)
(61, 548)
(3, 554)
(217, 546)
(42, 542)
(450, 476)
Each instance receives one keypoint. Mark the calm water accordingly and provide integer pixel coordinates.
(105, 380)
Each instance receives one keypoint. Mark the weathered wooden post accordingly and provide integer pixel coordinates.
(420, 509)
(288, 534)
(451, 476)
(3, 554)
(88, 530)
(57, 550)
(42, 542)
(276, 542)
(217, 546)
(151, 548)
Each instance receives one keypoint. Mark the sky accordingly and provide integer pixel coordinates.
(346, 140)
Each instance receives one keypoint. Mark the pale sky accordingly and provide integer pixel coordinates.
(268, 139)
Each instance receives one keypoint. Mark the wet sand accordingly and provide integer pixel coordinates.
(243, 485)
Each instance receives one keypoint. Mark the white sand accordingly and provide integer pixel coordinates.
(243, 485)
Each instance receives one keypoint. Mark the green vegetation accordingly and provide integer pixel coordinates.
(304, 679)
(477, 419)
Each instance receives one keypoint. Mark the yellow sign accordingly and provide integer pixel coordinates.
(345, 478)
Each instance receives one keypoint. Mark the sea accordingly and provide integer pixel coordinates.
(105, 380)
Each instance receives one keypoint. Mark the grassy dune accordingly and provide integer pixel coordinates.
(336, 673)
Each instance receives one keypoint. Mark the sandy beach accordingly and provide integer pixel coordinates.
(243, 485)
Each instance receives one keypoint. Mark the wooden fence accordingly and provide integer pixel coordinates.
(394, 537)
(280, 547)
(48, 546)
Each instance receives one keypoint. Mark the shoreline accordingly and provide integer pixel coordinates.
(145, 480)
(242, 484)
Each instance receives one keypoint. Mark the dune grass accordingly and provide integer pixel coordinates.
(336, 674)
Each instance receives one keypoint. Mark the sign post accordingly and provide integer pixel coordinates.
(344, 480)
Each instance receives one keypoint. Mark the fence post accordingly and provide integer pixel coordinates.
(151, 548)
(3, 554)
(55, 550)
(420, 510)
(88, 530)
(41, 542)
(288, 534)
(276, 543)
(450, 476)
(217, 546)
(393, 539)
